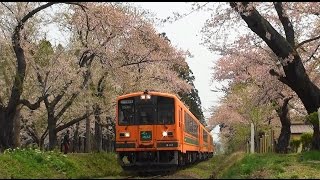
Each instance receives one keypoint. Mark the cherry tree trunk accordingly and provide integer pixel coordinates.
(284, 138)
(52, 132)
(6, 130)
(17, 126)
(88, 143)
(76, 142)
(97, 128)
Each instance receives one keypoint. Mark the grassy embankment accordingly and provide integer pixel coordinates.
(30, 163)
(259, 166)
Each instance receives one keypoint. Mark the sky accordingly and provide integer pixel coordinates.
(185, 34)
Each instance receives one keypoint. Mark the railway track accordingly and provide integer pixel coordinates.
(149, 175)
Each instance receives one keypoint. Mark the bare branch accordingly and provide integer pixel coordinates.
(312, 55)
(142, 60)
(9, 10)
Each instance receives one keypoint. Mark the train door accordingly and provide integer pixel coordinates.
(181, 127)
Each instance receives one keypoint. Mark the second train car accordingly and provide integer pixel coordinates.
(156, 131)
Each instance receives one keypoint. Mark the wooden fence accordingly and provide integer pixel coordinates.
(107, 144)
(264, 143)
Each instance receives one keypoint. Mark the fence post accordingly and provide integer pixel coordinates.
(267, 143)
(319, 115)
(262, 141)
(260, 145)
(272, 140)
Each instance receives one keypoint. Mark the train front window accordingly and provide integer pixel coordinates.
(146, 110)
(146, 114)
(126, 111)
(138, 111)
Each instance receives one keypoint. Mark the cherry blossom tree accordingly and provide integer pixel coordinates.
(8, 109)
(282, 28)
(122, 50)
(113, 49)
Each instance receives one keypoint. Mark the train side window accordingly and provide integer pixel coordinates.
(180, 116)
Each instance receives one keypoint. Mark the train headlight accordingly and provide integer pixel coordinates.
(167, 133)
(164, 133)
(145, 96)
(126, 134)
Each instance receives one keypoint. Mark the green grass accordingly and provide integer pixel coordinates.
(210, 168)
(32, 163)
(275, 166)
(201, 170)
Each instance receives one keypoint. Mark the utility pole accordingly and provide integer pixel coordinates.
(252, 139)
(319, 116)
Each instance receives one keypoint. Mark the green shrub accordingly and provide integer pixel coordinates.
(306, 140)
(311, 155)
(294, 144)
(313, 118)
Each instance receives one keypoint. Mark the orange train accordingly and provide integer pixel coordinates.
(155, 131)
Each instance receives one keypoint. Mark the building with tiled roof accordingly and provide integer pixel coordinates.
(298, 129)
(301, 128)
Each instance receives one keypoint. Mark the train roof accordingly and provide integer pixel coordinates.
(138, 93)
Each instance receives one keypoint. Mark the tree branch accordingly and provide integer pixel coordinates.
(67, 105)
(287, 25)
(286, 100)
(101, 86)
(56, 100)
(281, 78)
(258, 24)
(307, 41)
(34, 106)
(72, 122)
(43, 136)
(312, 55)
(9, 10)
(31, 131)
